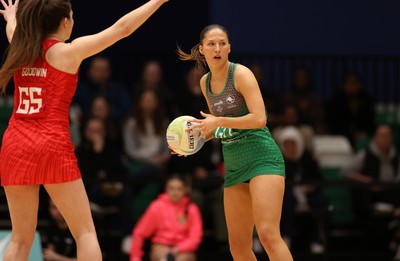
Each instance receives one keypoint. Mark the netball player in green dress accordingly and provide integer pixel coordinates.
(255, 173)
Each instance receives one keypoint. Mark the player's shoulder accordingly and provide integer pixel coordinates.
(242, 73)
(242, 69)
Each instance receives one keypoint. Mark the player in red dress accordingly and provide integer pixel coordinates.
(37, 148)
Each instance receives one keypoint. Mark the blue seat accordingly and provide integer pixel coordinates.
(36, 250)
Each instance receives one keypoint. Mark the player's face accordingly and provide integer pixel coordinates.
(175, 189)
(215, 46)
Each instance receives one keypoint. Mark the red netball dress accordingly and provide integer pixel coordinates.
(37, 147)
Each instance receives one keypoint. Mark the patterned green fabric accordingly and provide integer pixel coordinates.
(247, 153)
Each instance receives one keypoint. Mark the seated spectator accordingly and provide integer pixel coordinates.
(99, 82)
(58, 242)
(290, 117)
(206, 184)
(152, 78)
(303, 192)
(103, 173)
(373, 169)
(351, 111)
(302, 96)
(191, 99)
(100, 108)
(144, 139)
(172, 222)
(271, 100)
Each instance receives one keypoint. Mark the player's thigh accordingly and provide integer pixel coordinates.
(159, 252)
(238, 213)
(23, 203)
(72, 201)
(267, 197)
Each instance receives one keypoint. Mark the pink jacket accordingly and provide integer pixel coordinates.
(174, 224)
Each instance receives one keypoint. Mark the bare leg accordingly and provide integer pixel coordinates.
(239, 220)
(159, 252)
(23, 202)
(186, 257)
(267, 197)
(72, 201)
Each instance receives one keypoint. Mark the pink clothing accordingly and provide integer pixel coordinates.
(168, 223)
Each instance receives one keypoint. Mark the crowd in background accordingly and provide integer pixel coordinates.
(118, 131)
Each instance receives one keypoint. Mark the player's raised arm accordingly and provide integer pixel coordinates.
(86, 46)
(9, 13)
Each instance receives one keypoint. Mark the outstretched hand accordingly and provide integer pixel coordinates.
(206, 125)
(10, 9)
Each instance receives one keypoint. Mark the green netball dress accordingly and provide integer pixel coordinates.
(246, 153)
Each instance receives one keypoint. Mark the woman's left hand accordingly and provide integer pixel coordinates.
(206, 125)
(10, 9)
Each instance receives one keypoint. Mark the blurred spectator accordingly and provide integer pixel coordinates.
(290, 117)
(152, 78)
(191, 100)
(372, 169)
(100, 108)
(303, 193)
(350, 112)
(206, 184)
(99, 82)
(310, 107)
(75, 124)
(144, 139)
(103, 174)
(59, 244)
(271, 99)
(172, 222)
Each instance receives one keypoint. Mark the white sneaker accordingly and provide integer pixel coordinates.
(317, 248)
(126, 244)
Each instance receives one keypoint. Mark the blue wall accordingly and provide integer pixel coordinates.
(176, 22)
(346, 27)
(328, 36)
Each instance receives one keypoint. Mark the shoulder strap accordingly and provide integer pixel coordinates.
(49, 43)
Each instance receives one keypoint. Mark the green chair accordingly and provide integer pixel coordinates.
(339, 196)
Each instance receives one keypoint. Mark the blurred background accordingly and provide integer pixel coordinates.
(329, 72)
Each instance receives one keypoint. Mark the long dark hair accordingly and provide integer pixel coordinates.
(195, 54)
(36, 19)
(158, 117)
